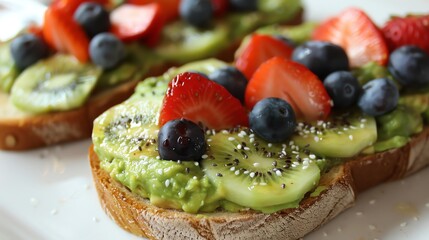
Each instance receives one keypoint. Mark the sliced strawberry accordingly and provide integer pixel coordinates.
(220, 7)
(63, 34)
(194, 97)
(353, 30)
(170, 8)
(155, 35)
(291, 81)
(259, 49)
(132, 22)
(410, 30)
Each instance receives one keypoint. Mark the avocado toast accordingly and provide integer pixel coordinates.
(244, 185)
(49, 109)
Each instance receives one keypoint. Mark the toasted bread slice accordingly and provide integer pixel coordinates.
(21, 131)
(343, 183)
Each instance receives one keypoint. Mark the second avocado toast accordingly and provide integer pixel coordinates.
(55, 97)
(245, 185)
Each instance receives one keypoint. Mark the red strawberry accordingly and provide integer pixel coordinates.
(220, 7)
(291, 81)
(194, 97)
(36, 30)
(170, 8)
(259, 49)
(357, 34)
(132, 22)
(63, 34)
(410, 30)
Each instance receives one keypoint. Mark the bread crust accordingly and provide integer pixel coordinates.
(29, 132)
(343, 183)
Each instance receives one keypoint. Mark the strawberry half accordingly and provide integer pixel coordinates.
(170, 8)
(259, 49)
(410, 30)
(132, 22)
(353, 30)
(63, 34)
(291, 81)
(194, 97)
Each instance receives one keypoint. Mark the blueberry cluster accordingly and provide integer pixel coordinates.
(105, 49)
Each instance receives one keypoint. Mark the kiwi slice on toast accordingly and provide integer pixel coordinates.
(58, 83)
(8, 71)
(256, 174)
(342, 136)
(183, 43)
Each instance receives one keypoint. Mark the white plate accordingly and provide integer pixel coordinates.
(48, 194)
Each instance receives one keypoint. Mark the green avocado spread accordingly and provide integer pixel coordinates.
(125, 140)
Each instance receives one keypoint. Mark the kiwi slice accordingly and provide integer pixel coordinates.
(256, 174)
(58, 83)
(8, 71)
(129, 130)
(342, 136)
(183, 43)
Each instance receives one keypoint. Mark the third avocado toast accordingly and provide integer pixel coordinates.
(77, 62)
(177, 144)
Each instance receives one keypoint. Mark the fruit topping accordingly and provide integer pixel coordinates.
(93, 18)
(69, 7)
(170, 8)
(410, 66)
(410, 30)
(322, 58)
(198, 13)
(340, 136)
(288, 80)
(260, 175)
(106, 50)
(343, 88)
(193, 97)
(244, 5)
(259, 49)
(181, 139)
(272, 119)
(63, 34)
(379, 96)
(58, 83)
(27, 49)
(232, 79)
(353, 30)
(128, 23)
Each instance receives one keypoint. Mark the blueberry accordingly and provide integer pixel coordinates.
(343, 88)
(232, 79)
(273, 119)
(181, 139)
(27, 49)
(198, 13)
(322, 58)
(410, 66)
(93, 18)
(289, 42)
(379, 96)
(244, 5)
(106, 50)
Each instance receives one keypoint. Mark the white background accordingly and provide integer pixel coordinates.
(48, 193)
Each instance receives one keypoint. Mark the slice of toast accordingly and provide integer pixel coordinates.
(342, 183)
(21, 131)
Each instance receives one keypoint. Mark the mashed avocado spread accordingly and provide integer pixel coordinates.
(125, 141)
